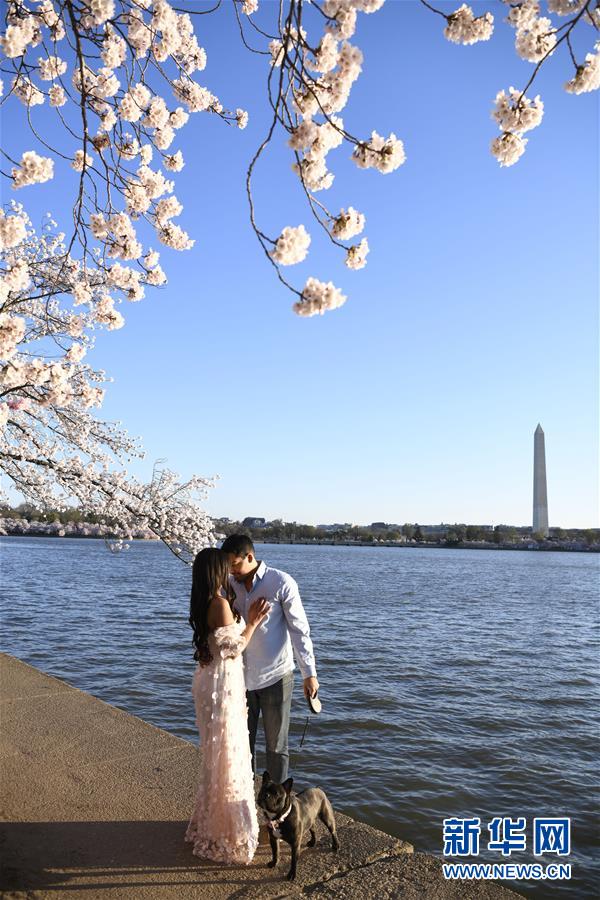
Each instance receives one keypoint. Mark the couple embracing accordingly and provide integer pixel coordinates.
(240, 605)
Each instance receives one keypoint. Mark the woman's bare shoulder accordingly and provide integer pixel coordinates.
(219, 613)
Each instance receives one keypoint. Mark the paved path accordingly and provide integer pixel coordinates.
(95, 801)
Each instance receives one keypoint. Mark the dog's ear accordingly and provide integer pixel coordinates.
(287, 785)
(266, 778)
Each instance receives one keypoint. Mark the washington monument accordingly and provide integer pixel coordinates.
(540, 493)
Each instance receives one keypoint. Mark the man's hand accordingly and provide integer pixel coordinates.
(311, 686)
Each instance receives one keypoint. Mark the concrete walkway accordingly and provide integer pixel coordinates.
(95, 803)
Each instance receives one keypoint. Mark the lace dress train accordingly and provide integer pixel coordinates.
(224, 824)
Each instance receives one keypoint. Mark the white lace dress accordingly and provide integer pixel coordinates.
(224, 825)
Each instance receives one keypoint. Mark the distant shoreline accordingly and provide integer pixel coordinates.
(553, 547)
(466, 545)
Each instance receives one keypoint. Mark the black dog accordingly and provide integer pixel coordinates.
(292, 815)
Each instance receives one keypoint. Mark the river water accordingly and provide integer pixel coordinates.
(454, 682)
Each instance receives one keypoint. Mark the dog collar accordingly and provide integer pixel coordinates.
(274, 824)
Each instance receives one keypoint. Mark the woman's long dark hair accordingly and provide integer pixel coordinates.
(209, 575)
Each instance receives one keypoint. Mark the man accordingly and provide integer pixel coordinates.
(269, 661)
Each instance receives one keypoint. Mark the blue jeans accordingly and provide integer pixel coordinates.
(275, 703)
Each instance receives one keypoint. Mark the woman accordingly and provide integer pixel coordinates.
(224, 826)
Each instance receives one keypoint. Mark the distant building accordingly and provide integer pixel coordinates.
(379, 526)
(254, 522)
(337, 526)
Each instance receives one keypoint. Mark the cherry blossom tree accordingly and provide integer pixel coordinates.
(121, 78)
(52, 446)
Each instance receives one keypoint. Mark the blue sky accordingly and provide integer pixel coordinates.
(475, 318)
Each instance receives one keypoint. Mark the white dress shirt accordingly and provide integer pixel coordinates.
(268, 656)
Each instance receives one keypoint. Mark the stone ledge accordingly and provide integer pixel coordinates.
(95, 804)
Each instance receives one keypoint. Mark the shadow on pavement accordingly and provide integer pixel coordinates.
(50, 855)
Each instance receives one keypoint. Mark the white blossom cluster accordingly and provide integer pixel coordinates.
(517, 113)
(383, 154)
(587, 76)
(317, 297)
(32, 169)
(465, 28)
(174, 162)
(175, 237)
(26, 91)
(536, 40)
(535, 36)
(521, 15)
(326, 55)
(81, 160)
(329, 93)
(52, 446)
(12, 331)
(21, 32)
(117, 234)
(356, 257)
(57, 96)
(51, 67)
(291, 246)
(347, 224)
(13, 230)
(14, 278)
(565, 7)
(344, 13)
(508, 148)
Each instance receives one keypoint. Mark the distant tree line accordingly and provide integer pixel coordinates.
(71, 515)
(289, 532)
(447, 535)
